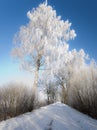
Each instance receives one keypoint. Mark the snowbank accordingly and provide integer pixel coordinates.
(53, 117)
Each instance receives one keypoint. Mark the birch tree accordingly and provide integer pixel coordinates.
(36, 44)
(68, 63)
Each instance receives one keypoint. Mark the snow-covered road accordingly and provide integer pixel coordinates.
(53, 117)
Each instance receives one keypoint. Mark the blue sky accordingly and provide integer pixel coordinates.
(81, 13)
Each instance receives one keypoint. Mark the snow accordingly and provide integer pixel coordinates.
(53, 117)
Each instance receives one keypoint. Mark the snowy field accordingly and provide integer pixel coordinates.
(53, 117)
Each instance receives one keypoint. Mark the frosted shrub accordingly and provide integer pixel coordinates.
(15, 99)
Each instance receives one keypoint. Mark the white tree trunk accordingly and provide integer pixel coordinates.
(64, 94)
(35, 85)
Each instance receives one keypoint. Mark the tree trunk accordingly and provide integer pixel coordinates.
(64, 94)
(35, 90)
(35, 85)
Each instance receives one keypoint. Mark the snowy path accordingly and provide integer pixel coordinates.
(53, 117)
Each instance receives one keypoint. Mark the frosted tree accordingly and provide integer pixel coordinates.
(36, 44)
(66, 65)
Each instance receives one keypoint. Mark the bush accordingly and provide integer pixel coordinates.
(15, 99)
(86, 101)
(83, 92)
